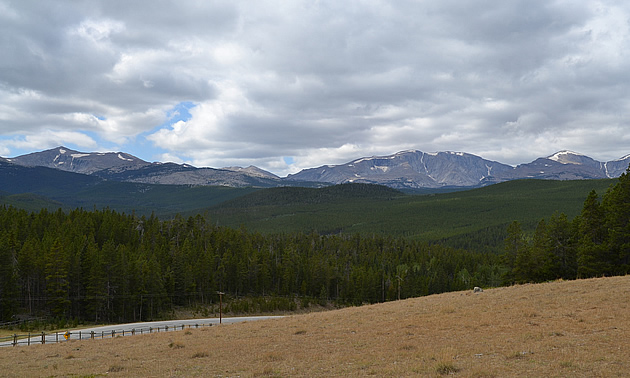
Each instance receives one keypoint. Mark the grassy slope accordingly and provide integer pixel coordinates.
(430, 217)
(557, 329)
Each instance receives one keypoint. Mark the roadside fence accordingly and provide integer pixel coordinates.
(56, 337)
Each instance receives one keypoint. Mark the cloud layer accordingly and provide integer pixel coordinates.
(289, 85)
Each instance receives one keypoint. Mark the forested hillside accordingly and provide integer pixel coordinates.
(596, 243)
(473, 219)
(104, 265)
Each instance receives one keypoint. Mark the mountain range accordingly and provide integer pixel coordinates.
(404, 170)
(417, 169)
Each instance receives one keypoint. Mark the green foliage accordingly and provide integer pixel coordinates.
(57, 279)
(349, 244)
(8, 276)
(112, 267)
(595, 243)
(473, 219)
(40, 187)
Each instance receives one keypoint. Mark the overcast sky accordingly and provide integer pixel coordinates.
(286, 85)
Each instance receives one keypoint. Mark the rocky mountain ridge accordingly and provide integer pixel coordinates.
(412, 169)
(417, 169)
(120, 166)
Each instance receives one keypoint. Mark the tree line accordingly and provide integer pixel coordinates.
(102, 265)
(596, 243)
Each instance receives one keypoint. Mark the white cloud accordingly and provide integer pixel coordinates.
(52, 138)
(97, 31)
(319, 82)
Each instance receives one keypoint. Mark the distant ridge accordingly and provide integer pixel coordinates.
(410, 170)
(69, 160)
(416, 169)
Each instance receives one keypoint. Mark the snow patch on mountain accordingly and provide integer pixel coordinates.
(381, 167)
(562, 157)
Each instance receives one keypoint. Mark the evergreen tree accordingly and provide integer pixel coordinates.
(9, 292)
(592, 250)
(560, 242)
(514, 246)
(57, 283)
(616, 205)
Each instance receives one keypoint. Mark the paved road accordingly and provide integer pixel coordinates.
(132, 328)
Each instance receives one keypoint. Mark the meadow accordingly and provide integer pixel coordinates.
(554, 329)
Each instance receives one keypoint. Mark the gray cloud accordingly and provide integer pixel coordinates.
(316, 82)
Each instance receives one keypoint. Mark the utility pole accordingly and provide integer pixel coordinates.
(220, 306)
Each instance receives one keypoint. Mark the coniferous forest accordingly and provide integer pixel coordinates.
(106, 266)
(596, 243)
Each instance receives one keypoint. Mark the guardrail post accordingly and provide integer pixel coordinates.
(79, 335)
(92, 334)
(29, 339)
(56, 337)
(113, 333)
(14, 339)
(133, 332)
(150, 329)
(43, 338)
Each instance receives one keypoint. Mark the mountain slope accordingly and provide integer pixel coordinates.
(617, 167)
(65, 159)
(28, 187)
(120, 166)
(183, 174)
(417, 169)
(482, 211)
(410, 169)
(407, 170)
(16, 179)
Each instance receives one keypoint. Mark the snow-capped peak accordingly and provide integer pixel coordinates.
(564, 157)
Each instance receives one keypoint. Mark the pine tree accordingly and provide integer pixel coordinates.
(616, 203)
(560, 244)
(514, 245)
(57, 283)
(9, 292)
(592, 259)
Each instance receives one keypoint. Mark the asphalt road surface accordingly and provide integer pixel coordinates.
(128, 329)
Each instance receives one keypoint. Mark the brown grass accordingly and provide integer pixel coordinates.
(557, 329)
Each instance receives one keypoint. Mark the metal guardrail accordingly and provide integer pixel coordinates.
(43, 338)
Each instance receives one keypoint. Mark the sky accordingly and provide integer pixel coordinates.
(288, 85)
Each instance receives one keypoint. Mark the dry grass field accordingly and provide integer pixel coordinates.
(562, 329)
